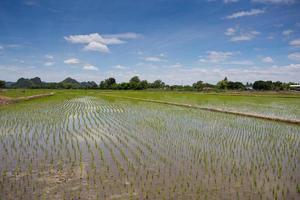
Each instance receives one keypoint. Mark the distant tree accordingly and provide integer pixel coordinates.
(89, 85)
(157, 84)
(135, 79)
(107, 83)
(110, 81)
(223, 84)
(198, 85)
(235, 86)
(123, 86)
(142, 85)
(280, 86)
(134, 83)
(2, 84)
(52, 85)
(262, 85)
(102, 85)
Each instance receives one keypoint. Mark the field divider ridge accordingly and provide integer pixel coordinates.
(245, 114)
(19, 99)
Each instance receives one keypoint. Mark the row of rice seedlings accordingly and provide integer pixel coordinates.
(145, 152)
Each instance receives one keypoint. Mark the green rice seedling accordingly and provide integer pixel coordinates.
(157, 151)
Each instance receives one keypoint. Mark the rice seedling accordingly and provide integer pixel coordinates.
(102, 148)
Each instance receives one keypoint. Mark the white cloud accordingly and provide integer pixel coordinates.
(267, 60)
(240, 62)
(119, 67)
(230, 1)
(140, 53)
(212, 74)
(230, 31)
(49, 63)
(294, 56)
(96, 46)
(245, 36)
(72, 61)
(295, 42)
(239, 35)
(48, 56)
(226, 58)
(90, 67)
(216, 56)
(31, 2)
(246, 13)
(153, 59)
(275, 1)
(162, 55)
(183, 75)
(175, 66)
(281, 73)
(19, 60)
(287, 32)
(11, 46)
(94, 37)
(128, 35)
(96, 42)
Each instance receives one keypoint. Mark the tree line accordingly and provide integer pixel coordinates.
(136, 84)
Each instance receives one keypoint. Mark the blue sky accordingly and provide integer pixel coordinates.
(178, 41)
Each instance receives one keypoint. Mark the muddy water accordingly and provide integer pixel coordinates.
(88, 148)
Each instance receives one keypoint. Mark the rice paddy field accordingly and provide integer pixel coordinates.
(85, 144)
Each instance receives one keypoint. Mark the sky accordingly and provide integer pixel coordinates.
(177, 41)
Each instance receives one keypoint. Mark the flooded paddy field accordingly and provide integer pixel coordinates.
(88, 147)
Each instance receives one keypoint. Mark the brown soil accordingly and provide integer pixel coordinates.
(5, 100)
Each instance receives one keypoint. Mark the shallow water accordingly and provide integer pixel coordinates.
(102, 149)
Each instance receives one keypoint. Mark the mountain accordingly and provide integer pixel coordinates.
(28, 83)
(36, 81)
(9, 84)
(89, 85)
(70, 83)
(70, 80)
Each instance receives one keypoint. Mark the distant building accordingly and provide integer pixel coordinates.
(295, 87)
(249, 88)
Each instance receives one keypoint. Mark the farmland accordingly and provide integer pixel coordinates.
(91, 144)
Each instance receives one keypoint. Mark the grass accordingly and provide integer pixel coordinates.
(79, 144)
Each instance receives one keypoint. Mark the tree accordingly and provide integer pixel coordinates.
(198, 85)
(107, 83)
(223, 84)
(235, 86)
(262, 85)
(110, 81)
(102, 85)
(123, 86)
(2, 84)
(134, 83)
(157, 84)
(89, 85)
(142, 85)
(135, 79)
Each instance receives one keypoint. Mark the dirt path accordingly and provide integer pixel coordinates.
(6, 100)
